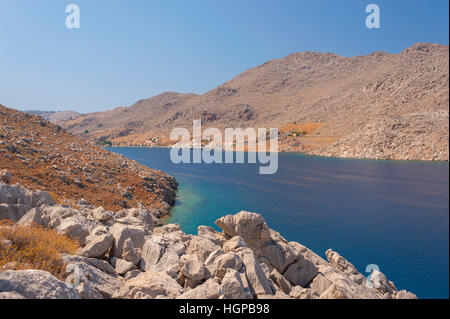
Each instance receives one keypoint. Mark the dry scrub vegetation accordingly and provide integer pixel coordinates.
(33, 247)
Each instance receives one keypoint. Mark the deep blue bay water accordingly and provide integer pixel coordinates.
(394, 214)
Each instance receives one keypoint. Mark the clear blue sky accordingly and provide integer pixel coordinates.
(134, 49)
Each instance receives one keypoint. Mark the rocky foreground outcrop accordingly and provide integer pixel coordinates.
(126, 255)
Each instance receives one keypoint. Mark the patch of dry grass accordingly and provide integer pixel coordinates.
(33, 247)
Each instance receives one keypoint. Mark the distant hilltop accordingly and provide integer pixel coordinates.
(55, 116)
(379, 106)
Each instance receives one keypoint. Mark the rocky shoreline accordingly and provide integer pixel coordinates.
(340, 154)
(126, 255)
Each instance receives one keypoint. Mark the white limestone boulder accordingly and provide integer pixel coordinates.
(151, 285)
(192, 268)
(121, 233)
(35, 284)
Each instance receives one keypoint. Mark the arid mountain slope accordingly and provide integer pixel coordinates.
(387, 106)
(124, 121)
(41, 155)
(56, 117)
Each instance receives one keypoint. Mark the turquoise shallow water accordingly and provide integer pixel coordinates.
(393, 214)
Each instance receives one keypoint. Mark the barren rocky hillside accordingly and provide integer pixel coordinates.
(41, 155)
(56, 117)
(387, 106)
(124, 256)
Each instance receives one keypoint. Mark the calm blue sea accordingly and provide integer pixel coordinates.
(394, 214)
